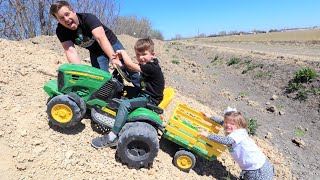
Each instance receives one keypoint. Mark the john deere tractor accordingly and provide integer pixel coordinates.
(81, 87)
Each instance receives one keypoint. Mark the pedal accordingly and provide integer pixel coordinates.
(102, 118)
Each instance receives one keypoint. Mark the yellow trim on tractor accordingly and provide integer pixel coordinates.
(85, 74)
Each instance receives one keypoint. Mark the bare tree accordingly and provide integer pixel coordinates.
(136, 27)
(22, 19)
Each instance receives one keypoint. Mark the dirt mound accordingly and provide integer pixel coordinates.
(30, 149)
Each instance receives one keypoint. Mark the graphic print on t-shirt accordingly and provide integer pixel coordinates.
(84, 41)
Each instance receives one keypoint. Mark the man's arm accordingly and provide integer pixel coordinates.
(71, 53)
(103, 41)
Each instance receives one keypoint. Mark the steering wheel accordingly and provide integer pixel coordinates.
(123, 73)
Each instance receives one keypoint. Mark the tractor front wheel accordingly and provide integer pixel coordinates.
(63, 111)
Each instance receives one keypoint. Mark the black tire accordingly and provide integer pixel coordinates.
(63, 111)
(184, 160)
(136, 124)
(80, 102)
(138, 146)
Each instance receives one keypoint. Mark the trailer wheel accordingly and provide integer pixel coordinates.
(184, 160)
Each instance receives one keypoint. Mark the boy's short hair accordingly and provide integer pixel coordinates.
(144, 44)
(55, 7)
(237, 118)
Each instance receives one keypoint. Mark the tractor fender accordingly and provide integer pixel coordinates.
(144, 119)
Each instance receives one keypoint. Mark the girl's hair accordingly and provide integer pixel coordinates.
(144, 44)
(237, 118)
(55, 7)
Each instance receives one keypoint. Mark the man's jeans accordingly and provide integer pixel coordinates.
(102, 62)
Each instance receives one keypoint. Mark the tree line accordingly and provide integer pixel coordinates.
(23, 19)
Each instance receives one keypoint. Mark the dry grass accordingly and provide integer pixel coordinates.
(311, 36)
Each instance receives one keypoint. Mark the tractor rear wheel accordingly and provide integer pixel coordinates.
(184, 160)
(63, 111)
(138, 145)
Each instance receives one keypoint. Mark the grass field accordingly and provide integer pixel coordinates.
(310, 36)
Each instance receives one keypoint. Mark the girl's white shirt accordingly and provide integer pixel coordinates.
(245, 152)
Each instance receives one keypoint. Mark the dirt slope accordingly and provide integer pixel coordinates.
(30, 149)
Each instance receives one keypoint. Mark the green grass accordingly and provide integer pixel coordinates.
(299, 131)
(233, 61)
(175, 61)
(243, 94)
(262, 74)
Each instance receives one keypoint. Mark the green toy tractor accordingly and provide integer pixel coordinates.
(80, 88)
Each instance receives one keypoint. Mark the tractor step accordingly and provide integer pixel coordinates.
(102, 118)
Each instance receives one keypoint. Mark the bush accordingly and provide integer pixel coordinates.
(252, 126)
(305, 75)
(233, 61)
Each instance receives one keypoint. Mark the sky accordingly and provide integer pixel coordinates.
(189, 18)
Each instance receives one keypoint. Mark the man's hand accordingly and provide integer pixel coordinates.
(116, 62)
(116, 58)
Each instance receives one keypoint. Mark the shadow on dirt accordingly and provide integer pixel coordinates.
(70, 130)
(202, 167)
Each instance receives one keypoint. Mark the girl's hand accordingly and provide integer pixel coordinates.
(204, 133)
(206, 114)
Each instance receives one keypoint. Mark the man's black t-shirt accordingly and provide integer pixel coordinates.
(152, 80)
(83, 36)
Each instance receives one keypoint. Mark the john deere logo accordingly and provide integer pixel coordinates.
(143, 85)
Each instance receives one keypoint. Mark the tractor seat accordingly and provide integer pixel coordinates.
(168, 94)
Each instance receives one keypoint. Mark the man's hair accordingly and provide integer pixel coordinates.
(144, 44)
(237, 118)
(55, 7)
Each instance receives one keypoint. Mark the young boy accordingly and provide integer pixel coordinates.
(151, 83)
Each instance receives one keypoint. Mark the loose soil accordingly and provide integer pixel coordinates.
(199, 73)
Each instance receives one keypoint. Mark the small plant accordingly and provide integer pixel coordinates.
(302, 95)
(293, 86)
(262, 74)
(175, 61)
(228, 177)
(299, 84)
(299, 131)
(233, 61)
(252, 126)
(279, 107)
(305, 75)
(216, 57)
(250, 67)
(243, 94)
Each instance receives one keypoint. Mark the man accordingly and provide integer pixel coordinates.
(87, 31)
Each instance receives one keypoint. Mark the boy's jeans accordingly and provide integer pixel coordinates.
(125, 107)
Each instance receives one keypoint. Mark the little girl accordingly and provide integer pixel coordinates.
(253, 163)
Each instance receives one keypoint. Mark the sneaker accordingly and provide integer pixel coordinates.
(101, 142)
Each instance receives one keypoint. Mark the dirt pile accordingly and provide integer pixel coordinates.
(33, 150)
